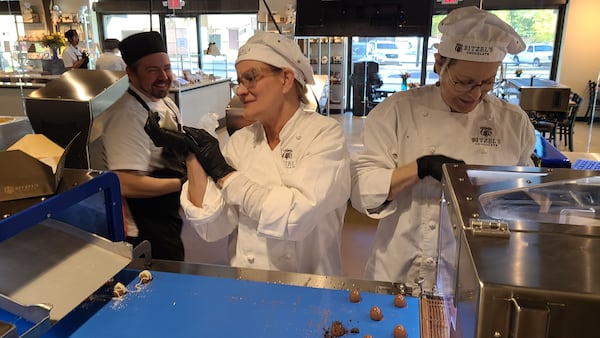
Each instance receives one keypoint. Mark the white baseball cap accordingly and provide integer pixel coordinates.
(277, 50)
(472, 34)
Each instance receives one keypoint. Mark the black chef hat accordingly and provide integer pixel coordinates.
(110, 44)
(136, 46)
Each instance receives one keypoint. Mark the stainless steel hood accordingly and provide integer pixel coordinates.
(66, 107)
(78, 85)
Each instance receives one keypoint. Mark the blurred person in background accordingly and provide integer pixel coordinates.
(110, 59)
(72, 56)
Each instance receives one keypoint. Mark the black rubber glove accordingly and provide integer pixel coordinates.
(431, 165)
(167, 138)
(86, 59)
(208, 153)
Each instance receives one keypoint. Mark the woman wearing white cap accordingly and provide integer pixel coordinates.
(411, 134)
(281, 187)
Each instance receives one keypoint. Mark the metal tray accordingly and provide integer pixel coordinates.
(39, 265)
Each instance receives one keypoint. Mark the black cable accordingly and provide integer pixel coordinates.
(271, 16)
(150, 3)
(316, 99)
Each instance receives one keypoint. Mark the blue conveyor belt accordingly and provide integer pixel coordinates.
(181, 305)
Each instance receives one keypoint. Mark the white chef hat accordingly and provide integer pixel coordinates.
(472, 34)
(279, 51)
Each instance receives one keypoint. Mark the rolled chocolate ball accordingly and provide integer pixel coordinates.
(376, 313)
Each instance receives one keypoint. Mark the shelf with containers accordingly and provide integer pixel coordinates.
(286, 28)
(327, 56)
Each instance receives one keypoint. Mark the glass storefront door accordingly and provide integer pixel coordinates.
(182, 44)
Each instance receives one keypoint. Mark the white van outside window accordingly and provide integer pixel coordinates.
(383, 52)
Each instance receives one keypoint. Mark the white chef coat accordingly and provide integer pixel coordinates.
(110, 61)
(404, 127)
(70, 55)
(284, 208)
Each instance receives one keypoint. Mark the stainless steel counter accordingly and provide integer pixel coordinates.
(197, 100)
(9, 80)
(279, 277)
(14, 88)
(12, 128)
(192, 86)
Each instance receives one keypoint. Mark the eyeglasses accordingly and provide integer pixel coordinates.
(250, 78)
(464, 87)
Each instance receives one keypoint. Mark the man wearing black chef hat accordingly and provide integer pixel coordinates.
(150, 176)
(407, 138)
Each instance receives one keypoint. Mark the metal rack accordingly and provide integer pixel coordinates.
(328, 56)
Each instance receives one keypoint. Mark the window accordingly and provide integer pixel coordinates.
(229, 32)
(120, 26)
(395, 56)
(14, 45)
(182, 44)
(537, 27)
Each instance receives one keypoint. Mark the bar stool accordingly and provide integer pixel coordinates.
(546, 127)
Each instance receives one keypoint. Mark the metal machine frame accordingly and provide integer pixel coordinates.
(516, 278)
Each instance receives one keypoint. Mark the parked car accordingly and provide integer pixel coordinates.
(536, 54)
(359, 52)
(384, 52)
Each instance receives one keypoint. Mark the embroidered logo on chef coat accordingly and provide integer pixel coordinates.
(486, 131)
(486, 138)
(287, 157)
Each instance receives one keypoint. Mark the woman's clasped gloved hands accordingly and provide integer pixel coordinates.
(208, 153)
(195, 141)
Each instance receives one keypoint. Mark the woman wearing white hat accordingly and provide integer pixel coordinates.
(281, 187)
(411, 134)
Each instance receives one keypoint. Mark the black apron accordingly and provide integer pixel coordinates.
(157, 218)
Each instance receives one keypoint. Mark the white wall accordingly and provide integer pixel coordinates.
(580, 58)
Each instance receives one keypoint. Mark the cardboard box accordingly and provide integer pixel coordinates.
(31, 167)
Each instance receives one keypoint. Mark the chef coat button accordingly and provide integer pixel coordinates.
(426, 114)
(429, 261)
(432, 225)
(250, 259)
(395, 156)
(432, 150)
(298, 137)
(288, 255)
